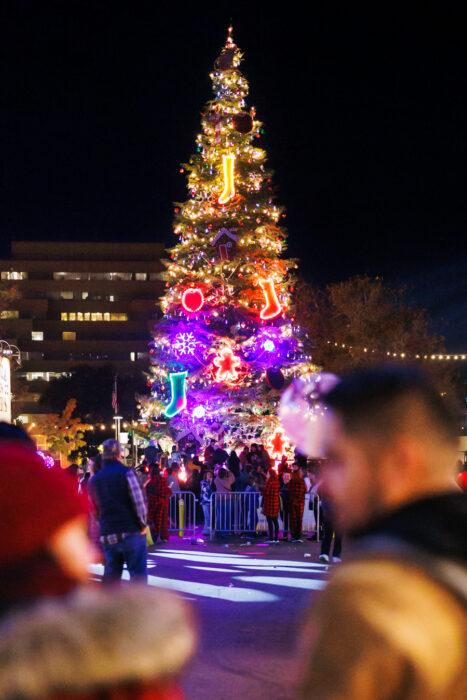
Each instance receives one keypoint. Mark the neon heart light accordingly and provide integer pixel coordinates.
(178, 394)
(273, 307)
(228, 164)
(192, 299)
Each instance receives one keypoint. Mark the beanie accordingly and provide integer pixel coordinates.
(34, 502)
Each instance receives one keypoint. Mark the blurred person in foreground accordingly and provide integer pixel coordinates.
(392, 622)
(61, 638)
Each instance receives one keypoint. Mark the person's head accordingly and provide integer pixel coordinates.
(95, 464)
(271, 473)
(208, 476)
(110, 450)
(12, 433)
(390, 438)
(44, 549)
(222, 473)
(286, 477)
(154, 469)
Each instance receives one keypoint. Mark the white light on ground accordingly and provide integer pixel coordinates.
(287, 581)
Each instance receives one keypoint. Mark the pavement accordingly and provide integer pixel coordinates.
(250, 600)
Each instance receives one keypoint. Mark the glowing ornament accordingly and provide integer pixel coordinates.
(277, 444)
(193, 299)
(178, 394)
(269, 346)
(227, 366)
(226, 243)
(185, 344)
(47, 458)
(273, 307)
(228, 164)
(199, 412)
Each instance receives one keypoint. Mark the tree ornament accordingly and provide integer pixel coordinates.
(178, 394)
(242, 122)
(228, 165)
(227, 366)
(273, 307)
(185, 344)
(277, 444)
(275, 378)
(193, 299)
(226, 243)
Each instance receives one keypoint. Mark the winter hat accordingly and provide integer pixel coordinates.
(34, 502)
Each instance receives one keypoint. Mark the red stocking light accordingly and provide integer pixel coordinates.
(227, 366)
(193, 299)
(273, 307)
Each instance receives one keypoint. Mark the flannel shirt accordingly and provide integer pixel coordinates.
(297, 490)
(271, 497)
(137, 498)
(158, 493)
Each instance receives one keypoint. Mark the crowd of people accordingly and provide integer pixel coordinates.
(390, 623)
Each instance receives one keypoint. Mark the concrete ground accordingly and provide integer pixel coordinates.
(250, 600)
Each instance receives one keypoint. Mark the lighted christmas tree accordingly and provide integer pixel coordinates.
(227, 343)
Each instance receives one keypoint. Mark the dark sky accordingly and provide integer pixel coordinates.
(364, 111)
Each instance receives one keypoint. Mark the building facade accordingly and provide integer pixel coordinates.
(80, 303)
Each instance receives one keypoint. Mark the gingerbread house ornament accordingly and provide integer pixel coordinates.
(226, 243)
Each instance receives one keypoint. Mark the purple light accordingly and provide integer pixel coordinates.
(48, 460)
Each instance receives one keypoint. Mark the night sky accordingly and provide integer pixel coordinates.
(365, 126)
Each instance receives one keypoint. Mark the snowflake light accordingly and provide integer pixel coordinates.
(185, 344)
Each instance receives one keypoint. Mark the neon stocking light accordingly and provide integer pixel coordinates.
(228, 164)
(273, 307)
(178, 394)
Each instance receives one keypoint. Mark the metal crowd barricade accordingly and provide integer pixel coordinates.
(182, 513)
(237, 513)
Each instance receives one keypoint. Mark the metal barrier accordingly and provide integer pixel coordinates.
(182, 513)
(237, 513)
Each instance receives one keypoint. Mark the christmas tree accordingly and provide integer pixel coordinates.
(227, 342)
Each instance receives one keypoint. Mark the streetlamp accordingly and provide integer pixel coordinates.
(117, 420)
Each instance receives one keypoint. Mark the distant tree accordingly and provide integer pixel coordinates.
(362, 322)
(92, 389)
(64, 433)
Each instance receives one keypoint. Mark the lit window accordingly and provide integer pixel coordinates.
(37, 335)
(141, 276)
(72, 316)
(84, 295)
(68, 335)
(9, 313)
(107, 316)
(132, 356)
(66, 295)
(64, 316)
(118, 317)
(79, 316)
(87, 316)
(11, 275)
(96, 316)
(111, 297)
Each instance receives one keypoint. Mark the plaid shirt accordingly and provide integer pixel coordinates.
(297, 490)
(271, 497)
(137, 498)
(158, 493)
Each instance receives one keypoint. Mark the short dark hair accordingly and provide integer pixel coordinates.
(377, 401)
(13, 433)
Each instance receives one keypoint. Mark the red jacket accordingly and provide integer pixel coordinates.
(297, 490)
(271, 497)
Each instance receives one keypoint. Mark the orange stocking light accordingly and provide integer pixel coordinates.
(228, 163)
(273, 307)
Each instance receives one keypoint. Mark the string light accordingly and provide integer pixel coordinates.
(457, 357)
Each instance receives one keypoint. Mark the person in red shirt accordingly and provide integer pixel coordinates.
(158, 493)
(271, 504)
(297, 491)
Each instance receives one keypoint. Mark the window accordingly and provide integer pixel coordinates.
(111, 297)
(84, 295)
(96, 316)
(92, 316)
(11, 275)
(64, 316)
(66, 295)
(9, 313)
(68, 335)
(156, 275)
(107, 316)
(79, 316)
(72, 316)
(118, 317)
(37, 335)
(132, 356)
(87, 316)
(141, 276)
